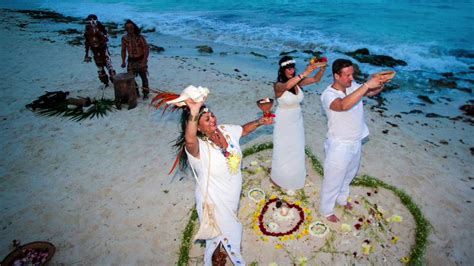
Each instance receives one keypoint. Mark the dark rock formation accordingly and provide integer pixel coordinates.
(156, 49)
(443, 83)
(363, 55)
(426, 99)
(205, 49)
(258, 55)
(468, 109)
(287, 53)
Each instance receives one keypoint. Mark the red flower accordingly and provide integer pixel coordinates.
(357, 226)
(278, 234)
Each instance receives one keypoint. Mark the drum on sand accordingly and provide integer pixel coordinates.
(126, 90)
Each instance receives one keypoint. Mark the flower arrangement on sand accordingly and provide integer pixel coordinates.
(379, 229)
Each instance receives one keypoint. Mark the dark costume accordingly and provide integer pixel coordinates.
(96, 40)
(137, 48)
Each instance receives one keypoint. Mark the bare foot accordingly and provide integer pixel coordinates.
(333, 218)
(348, 206)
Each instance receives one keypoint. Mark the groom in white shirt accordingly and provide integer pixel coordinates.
(342, 102)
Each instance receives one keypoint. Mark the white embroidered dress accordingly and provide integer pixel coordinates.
(288, 161)
(225, 185)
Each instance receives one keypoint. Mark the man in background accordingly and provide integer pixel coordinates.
(137, 48)
(96, 40)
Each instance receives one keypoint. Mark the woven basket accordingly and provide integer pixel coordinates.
(37, 245)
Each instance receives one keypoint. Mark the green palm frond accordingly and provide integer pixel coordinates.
(100, 108)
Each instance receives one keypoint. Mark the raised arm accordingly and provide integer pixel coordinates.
(281, 87)
(346, 103)
(374, 92)
(317, 77)
(190, 134)
(253, 125)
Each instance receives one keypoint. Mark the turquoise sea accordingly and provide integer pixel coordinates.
(433, 37)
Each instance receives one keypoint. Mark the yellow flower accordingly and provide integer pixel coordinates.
(298, 203)
(345, 228)
(378, 216)
(349, 199)
(258, 170)
(265, 239)
(303, 261)
(284, 238)
(394, 240)
(278, 246)
(292, 237)
(233, 161)
(256, 228)
(396, 219)
(309, 218)
(405, 259)
(298, 236)
(273, 197)
(367, 249)
(273, 264)
(305, 232)
(253, 163)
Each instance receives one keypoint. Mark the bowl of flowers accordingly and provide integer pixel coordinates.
(266, 105)
(256, 194)
(318, 229)
(34, 253)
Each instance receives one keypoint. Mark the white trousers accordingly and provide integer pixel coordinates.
(340, 167)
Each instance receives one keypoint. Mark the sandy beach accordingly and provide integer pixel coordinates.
(100, 191)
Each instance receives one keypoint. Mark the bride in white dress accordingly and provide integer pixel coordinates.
(288, 161)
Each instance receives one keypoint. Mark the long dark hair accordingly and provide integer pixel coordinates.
(180, 141)
(136, 29)
(281, 71)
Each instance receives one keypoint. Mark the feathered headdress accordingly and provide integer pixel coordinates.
(166, 99)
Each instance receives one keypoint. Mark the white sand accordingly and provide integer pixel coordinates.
(99, 189)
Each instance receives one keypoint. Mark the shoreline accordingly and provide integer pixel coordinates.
(107, 176)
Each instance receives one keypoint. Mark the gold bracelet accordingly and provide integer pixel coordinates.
(193, 118)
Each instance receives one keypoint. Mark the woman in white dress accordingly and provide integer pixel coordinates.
(288, 161)
(213, 151)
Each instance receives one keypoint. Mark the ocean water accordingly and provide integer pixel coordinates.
(433, 37)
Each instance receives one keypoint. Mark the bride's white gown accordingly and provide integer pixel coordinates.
(288, 162)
